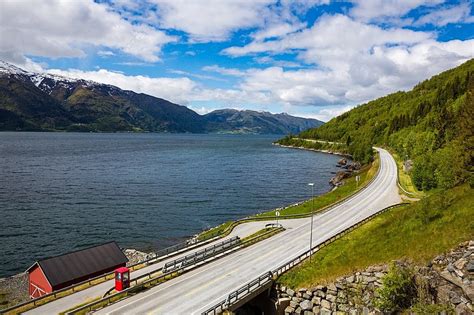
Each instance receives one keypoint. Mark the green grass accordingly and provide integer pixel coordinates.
(405, 180)
(417, 232)
(260, 232)
(213, 232)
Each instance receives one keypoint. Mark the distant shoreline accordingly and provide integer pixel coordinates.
(314, 150)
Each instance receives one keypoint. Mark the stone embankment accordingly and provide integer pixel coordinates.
(447, 280)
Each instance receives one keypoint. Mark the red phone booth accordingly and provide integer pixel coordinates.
(122, 278)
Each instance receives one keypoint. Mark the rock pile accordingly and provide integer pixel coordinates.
(351, 294)
(13, 290)
(135, 256)
(341, 175)
(448, 281)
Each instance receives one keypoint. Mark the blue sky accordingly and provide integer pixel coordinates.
(308, 58)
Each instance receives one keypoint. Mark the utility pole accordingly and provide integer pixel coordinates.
(312, 212)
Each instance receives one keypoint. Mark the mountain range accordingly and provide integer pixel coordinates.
(45, 102)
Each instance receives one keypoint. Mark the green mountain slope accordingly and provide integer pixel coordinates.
(249, 121)
(431, 125)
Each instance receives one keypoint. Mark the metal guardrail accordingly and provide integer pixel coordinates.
(106, 300)
(186, 261)
(201, 254)
(255, 284)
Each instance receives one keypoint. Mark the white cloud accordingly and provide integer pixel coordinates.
(212, 20)
(105, 53)
(442, 17)
(323, 114)
(354, 62)
(380, 10)
(61, 28)
(216, 20)
(224, 71)
(277, 30)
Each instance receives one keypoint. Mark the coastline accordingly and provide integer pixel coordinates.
(314, 150)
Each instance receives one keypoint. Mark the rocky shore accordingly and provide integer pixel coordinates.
(447, 281)
(348, 169)
(343, 163)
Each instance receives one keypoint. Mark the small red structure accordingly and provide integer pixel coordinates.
(122, 278)
(52, 274)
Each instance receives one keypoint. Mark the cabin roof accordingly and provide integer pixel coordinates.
(81, 263)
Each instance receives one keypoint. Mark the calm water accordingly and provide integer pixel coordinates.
(64, 191)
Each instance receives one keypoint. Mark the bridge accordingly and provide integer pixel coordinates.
(228, 281)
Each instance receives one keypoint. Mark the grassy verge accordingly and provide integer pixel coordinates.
(405, 180)
(262, 231)
(214, 231)
(417, 232)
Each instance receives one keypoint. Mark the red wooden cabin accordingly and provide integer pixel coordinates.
(54, 273)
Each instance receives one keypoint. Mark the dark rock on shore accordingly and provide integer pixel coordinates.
(342, 162)
(338, 179)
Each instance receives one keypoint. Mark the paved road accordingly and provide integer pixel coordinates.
(199, 289)
(87, 295)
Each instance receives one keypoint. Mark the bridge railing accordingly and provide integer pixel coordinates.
(255, 284)
(201, 254)
(142, 282)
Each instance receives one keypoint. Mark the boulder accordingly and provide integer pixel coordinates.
(470, 266)
(316, 300)
(290, 292)
(342, 161)
(337, 180)
(331, 298)
(320, 293)
(289, 310)
(306, 305)
(325, 311)
(325, 304)
(350, 279)
(459, 264)
(332, 287)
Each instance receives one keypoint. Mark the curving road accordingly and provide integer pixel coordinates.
(194, 292)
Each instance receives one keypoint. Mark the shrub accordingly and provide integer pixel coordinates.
(398, 291)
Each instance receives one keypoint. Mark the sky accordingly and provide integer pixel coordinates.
(307, 58)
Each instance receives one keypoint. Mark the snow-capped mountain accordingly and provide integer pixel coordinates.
(45, 101)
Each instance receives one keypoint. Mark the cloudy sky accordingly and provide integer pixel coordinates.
(308, 58)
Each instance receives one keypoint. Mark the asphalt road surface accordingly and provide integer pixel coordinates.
(89, 294)
(197, 290)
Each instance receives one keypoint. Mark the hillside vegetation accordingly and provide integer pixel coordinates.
(416, 232)
(431, 125)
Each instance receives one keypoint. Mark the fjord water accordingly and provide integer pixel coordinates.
(65, 191)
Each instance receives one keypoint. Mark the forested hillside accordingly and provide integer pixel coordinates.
(431, 125)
